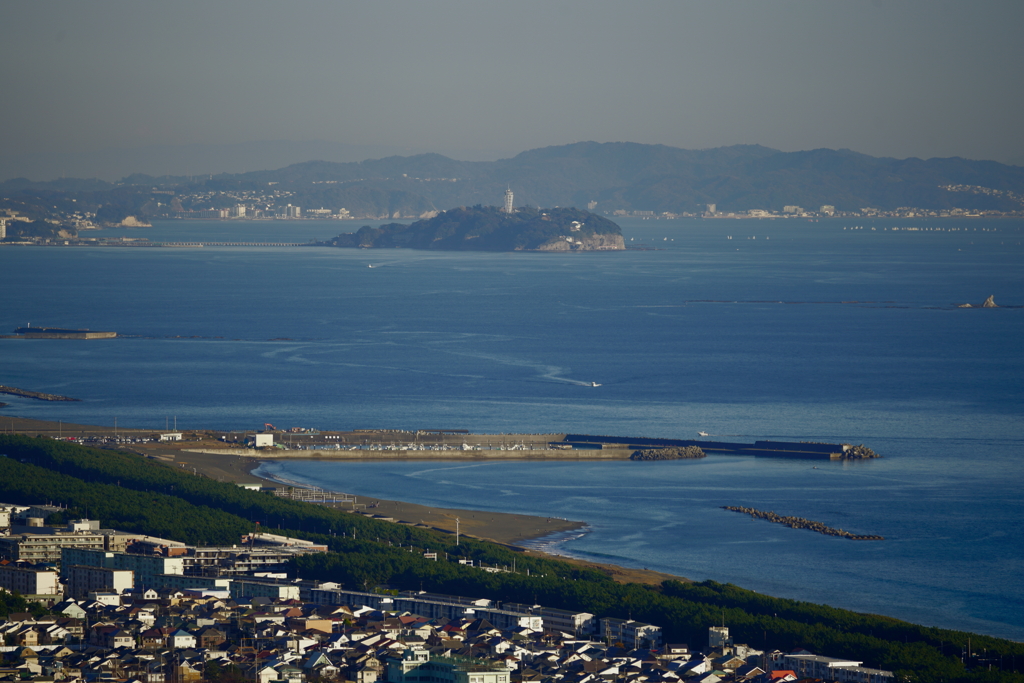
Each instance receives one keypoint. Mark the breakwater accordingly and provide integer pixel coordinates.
(14, 391)
(57, 333)
(801, 523)
(674, 453)
(371, 454)
(461, 444)
(769, 449)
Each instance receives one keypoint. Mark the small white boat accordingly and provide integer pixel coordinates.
(594, 384)
(703, 434)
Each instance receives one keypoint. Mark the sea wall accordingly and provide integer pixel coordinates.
(58, 333)
(24, 393)
(767, 449)
(388, 454)
(62, 335)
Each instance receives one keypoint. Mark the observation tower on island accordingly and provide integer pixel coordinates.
(508, 200)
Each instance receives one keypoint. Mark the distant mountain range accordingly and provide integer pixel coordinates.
(199, 160)
(617, 176)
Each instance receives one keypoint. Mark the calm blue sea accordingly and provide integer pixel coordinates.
(838, 330)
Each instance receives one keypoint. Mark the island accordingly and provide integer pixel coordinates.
(488, 228)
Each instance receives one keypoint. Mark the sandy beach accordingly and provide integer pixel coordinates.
(518, 531)
(500, 527)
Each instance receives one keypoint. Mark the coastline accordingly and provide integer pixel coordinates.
(528, 534)
(499, 527)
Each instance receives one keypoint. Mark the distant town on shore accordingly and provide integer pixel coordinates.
(608, 179)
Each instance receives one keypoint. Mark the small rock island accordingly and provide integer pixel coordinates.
(990, 302)
(489, 228)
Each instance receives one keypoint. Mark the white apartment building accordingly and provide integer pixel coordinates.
(145, 568)
(30, 582)
(45, 547)
(254, 589)
(85, 580)
(807, 665)
(630, 633)
(567, 621)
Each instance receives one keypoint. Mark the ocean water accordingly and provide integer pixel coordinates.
(825, 331)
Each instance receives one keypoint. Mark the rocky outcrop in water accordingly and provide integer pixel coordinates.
(596, 242)
(801, 523)
(860, 452)
(990, 302)
(133, 222)
(674, 453)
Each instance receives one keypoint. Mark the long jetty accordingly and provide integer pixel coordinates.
(460, 444)
(766, 449)
(24, 393)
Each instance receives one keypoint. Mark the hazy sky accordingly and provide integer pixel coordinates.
(480, 79)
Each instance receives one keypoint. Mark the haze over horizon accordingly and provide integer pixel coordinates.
(107, 88)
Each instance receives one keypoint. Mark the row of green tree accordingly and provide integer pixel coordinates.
(131, 492)
(13, 602)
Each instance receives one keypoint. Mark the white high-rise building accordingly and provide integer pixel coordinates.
(718, 637)
(508, 200)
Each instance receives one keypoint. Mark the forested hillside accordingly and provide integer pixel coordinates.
(481, 228)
